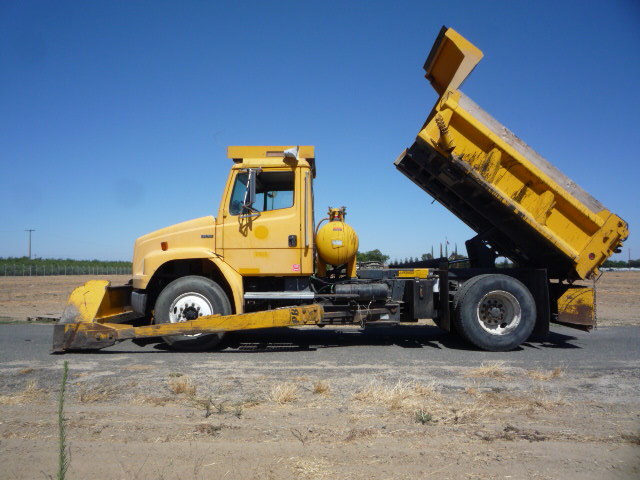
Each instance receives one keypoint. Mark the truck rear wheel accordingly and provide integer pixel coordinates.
(494, 312)
(188, 298)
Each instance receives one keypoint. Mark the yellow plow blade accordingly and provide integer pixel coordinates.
(97, 301)
(96, 335)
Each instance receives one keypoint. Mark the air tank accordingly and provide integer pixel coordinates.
(336, 242)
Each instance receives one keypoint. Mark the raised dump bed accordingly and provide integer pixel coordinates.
(519, 204)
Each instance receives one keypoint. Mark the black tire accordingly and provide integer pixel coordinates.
(185, 299)
(460, 293)
(494, 312)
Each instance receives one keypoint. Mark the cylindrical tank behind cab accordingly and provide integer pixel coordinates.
(337, 243)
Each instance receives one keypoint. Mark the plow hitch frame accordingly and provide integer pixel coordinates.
(77, 330)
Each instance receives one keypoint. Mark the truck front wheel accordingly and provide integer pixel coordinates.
(494, 312)
(188, 298)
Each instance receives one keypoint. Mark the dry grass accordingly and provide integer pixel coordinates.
(633, 438)
(423, 403)
(484, 406)
(96, 393)
(527, 402)
(488, 370)
(472, 391)
(31, 393)
(514, 433)
(183, 384)
(138, 368)
(542, 400)
(208, 429)
(156, 401)
(395, 397)
(32, 390)
(312, 468)
(359, 434)
(546, 375)
(252, 400)
(459, 414)
(284, 393)
(321, 388)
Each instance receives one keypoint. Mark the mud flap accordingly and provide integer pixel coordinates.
(575, 306)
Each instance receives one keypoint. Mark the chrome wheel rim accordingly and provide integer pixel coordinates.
(499, 312)
(189, 306)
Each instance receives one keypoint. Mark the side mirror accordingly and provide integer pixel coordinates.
(250, 192)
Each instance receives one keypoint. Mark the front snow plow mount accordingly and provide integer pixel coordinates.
(79, 330)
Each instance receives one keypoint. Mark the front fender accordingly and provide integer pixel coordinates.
(154, 260)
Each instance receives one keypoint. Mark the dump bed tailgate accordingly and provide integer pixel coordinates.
(519, 203)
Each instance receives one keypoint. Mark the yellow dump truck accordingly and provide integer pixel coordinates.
(263, 261)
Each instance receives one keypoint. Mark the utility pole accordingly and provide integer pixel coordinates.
(30, 230)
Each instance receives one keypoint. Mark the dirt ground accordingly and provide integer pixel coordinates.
(220, 417)
(239, 420)
(23, 297)
(618, 296)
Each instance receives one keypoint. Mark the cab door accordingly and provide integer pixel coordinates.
(265, 238)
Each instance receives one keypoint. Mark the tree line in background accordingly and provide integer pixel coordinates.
(377, 256)
(60, 262)
(50, 266)
(22, 266)
(372, 256)
(622, 263)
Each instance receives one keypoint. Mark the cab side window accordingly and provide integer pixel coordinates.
(274, 191)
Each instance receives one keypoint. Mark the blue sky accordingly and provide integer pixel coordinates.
(116, 115)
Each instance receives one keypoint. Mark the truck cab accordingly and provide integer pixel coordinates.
(262, 234)
(265, 219)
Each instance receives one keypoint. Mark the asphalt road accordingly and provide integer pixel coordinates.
(603, 349)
